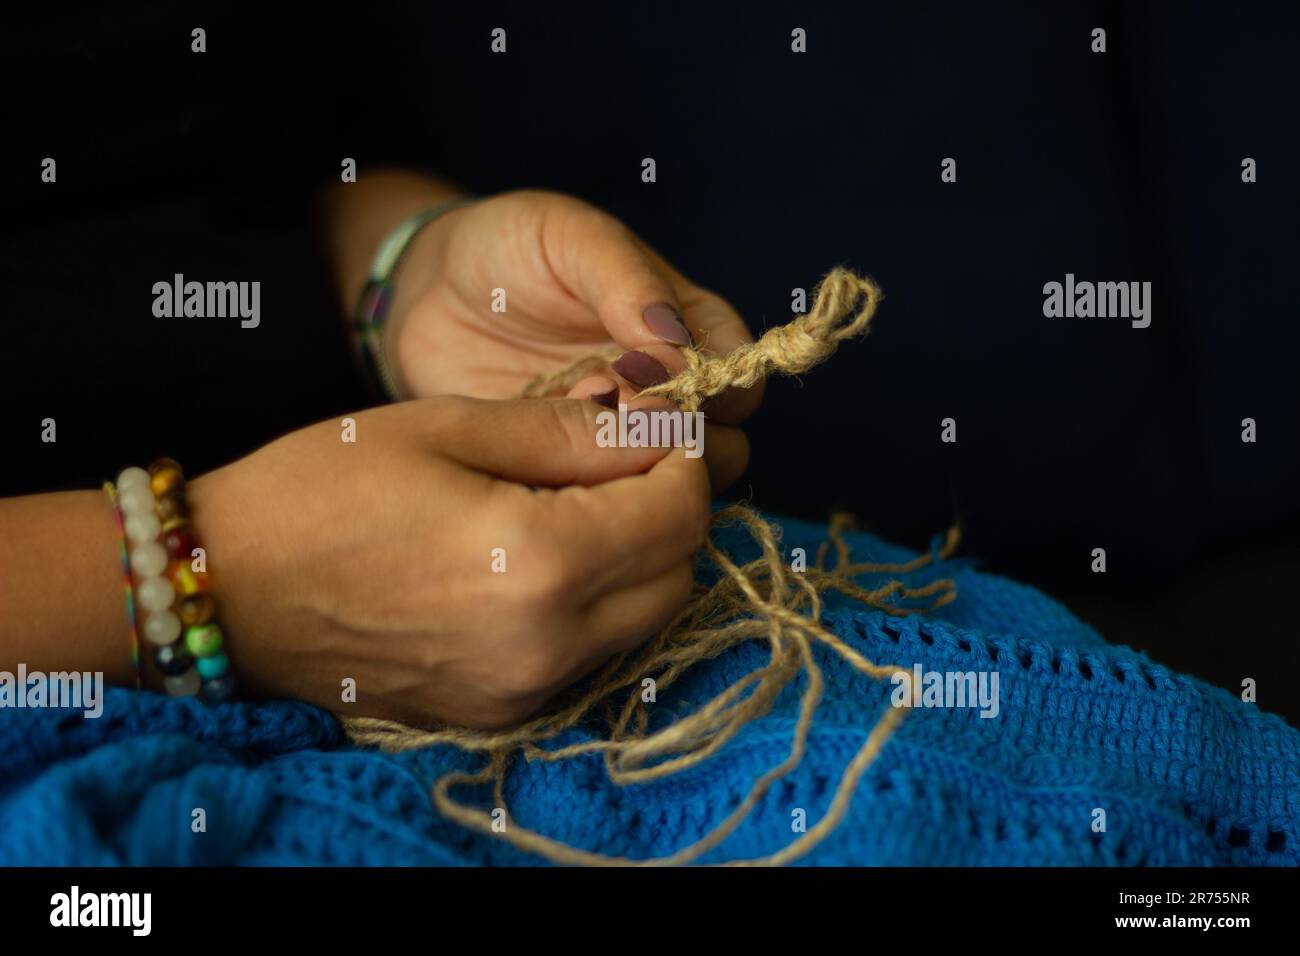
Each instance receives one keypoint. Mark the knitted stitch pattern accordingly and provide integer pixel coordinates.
(1186, 774)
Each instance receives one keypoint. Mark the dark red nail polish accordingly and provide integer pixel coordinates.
(642, 370)
(608, 399)
(662, 319)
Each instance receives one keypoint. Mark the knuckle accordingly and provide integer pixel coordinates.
(533, 669)
(574, 423)
(544, 586)
(684, 581)
(570, 216)
(584, 431)
(542, 571)
(694, 515)
(497, 714)
(681, 583)
(456, 414)
(547, 577)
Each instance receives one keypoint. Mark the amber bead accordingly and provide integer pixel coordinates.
(179, 543)
(160, 465)
(196, 609)
(185, 579)
(165, 477)
(170, 506)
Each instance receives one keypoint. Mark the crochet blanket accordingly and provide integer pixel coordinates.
(1096, 755)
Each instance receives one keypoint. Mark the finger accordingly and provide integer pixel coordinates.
(648, 366)
(629, 529)
(642, 300)
(714, 325)
(717, 329)
(655, 364)
(602, 389)
(603, 265)
(535, 441)
(720, 330)
(726, 455)
(726, 448)
(623, 620)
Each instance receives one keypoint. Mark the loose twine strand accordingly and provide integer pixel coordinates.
(763, 600)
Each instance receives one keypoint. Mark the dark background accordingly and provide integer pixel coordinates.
(772, 167)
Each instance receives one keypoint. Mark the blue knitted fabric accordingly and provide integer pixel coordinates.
(1186, 773)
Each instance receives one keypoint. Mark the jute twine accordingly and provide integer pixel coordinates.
(763, 600)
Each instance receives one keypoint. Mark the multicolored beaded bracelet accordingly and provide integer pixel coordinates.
(179, 613)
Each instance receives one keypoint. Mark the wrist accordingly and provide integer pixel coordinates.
(240, 564)
(100, 643)
(412, 269)
(411, 281)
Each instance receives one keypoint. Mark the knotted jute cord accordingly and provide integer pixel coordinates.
(793, 348)
(763, 600)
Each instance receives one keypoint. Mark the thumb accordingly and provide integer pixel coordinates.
(610, 272)
(551, 442)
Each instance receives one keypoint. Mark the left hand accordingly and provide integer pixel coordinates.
(573, 280)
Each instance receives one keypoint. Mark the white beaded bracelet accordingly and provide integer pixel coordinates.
(154, 593)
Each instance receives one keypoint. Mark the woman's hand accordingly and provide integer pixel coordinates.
(493, 294)
(378, 560)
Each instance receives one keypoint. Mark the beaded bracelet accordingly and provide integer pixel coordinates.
(377, 296)
(179, 613)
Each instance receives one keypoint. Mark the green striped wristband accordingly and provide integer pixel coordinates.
(376, 298)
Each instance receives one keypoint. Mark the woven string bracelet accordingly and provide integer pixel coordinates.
(128, 590)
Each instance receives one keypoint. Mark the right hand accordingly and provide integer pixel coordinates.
(373, 560)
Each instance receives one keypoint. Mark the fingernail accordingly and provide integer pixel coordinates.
(664, 322)
(608, 399)
(642, 370)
